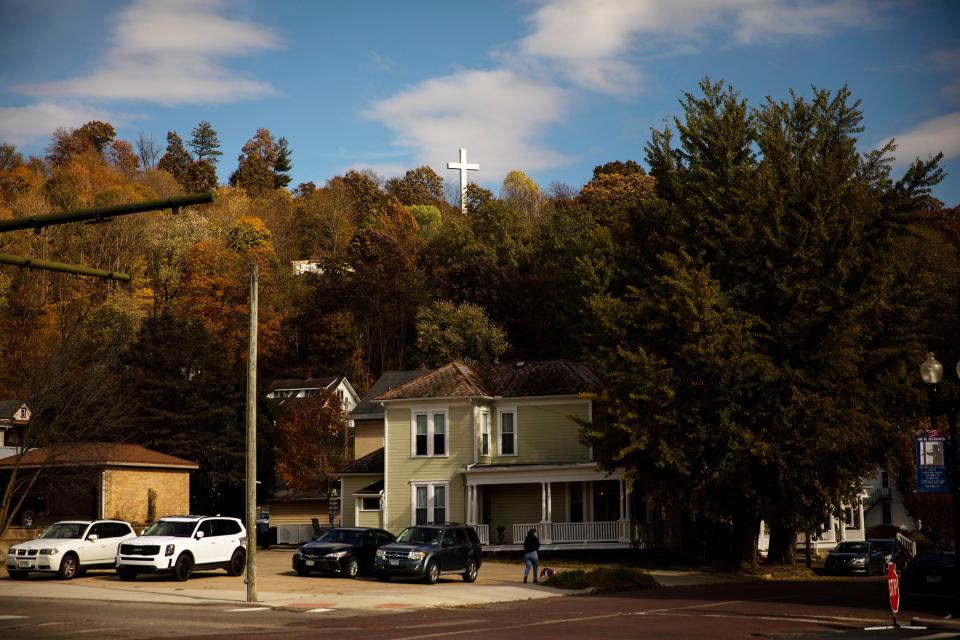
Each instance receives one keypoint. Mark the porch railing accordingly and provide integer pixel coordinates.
(483, 530)
(574, 532)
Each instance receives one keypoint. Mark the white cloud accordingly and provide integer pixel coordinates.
(19, 125)
(168, 52)
(496, 115)
(941, 134)
(589, 39)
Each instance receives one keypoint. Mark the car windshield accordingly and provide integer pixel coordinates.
(885, 546)
(65, 531)
(852, 547)
(421, 535)
(173, 528)
(341, 535)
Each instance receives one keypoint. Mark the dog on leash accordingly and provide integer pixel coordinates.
(546, 572)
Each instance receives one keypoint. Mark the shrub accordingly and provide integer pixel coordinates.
(602, 579)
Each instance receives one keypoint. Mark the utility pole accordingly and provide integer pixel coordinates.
(252, 440)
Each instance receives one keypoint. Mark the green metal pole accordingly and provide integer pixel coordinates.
(99, 214)
(77, 270)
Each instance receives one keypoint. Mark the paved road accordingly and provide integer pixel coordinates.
(732, 611)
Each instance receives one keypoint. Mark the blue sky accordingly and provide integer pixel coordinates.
(550, 87)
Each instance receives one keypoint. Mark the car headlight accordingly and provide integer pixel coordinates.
(298, 552)
(337, 554)
(381, 553)
(417, 555)
(49, 552)
(170, 549)
(859, 560)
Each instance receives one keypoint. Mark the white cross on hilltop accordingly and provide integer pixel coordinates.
(463, 166)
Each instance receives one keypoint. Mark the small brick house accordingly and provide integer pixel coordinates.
(108, 480)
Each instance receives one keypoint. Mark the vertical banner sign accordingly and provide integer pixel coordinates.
(893, 588)
(931, 461)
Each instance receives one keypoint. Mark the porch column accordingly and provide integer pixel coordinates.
(543, 502)
(624, 534)
(863, 525)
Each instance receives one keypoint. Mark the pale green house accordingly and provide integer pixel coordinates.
(497, 446)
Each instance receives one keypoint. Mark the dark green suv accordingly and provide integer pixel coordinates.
(426, 551)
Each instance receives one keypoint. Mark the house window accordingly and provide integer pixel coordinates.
(576, 502)
(370, 504)
(508, 432)
(23, 413)
(484, 433)
(430, 433)
(429, 503)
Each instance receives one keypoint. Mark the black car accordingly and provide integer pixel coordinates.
(343, 551)
(855, 557)
(892, 552)
(427, 550)
(929, 578)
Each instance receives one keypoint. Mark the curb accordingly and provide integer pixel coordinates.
(936, 623)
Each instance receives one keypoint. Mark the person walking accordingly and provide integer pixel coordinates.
(531, 544)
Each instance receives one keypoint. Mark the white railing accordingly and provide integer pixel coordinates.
(483, 530)
(574, 532)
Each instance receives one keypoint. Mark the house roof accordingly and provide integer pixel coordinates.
(370, 490)
(307, 383)
(99, 453)
(369, 407)
(8, 408)
(370, 463)
(508, 380)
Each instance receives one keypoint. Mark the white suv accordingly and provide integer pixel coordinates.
(180, 544)
(69, 548)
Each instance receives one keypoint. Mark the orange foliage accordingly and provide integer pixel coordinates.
(310, 441)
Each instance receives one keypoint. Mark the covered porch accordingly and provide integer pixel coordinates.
(572, 506)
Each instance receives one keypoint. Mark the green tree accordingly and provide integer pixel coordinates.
(282, 165)
(461, 333)
(756, 320)
(205, 143)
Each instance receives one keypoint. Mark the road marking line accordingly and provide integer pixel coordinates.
(12, 617)
(318, 610)
(247, 609)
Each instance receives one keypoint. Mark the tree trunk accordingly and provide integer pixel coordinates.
(746, 531)
(783, 545)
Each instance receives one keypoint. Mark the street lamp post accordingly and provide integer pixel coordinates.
(931, 371)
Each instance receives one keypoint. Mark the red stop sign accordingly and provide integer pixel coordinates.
(893, 587)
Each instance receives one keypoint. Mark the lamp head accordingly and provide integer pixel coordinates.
(931, 371)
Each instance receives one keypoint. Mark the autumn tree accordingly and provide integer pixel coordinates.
(176, 161)
(521, 193)
(263, 164)
(312, 441)
(417, 186)
(147, 150)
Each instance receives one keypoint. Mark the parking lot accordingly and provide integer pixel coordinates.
(279, 586)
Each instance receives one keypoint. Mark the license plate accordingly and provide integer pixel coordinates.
(933, 578)
(393, 561)
(24, 564)
(309, 563)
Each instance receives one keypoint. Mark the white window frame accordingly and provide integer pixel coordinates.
(431, 415)
(484, 432)
(516, 447)
(431, 486)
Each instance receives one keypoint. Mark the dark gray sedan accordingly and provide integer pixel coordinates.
(342, 551)
(851, 557)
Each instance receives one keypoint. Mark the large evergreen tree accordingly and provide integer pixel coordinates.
(205, 143)
(754, 319)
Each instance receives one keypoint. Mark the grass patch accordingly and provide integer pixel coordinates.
(603, 579)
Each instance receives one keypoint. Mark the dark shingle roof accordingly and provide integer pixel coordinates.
(370, 463)
(508, 380)
(373, 489)
(308, 383)
(368, 408)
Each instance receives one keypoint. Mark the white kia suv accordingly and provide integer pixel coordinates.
(69, 548)
(179, 545)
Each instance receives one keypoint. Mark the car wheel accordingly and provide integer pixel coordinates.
(352, 569)
(238, 562)
(17, 575)
(470, 575)
(68, 567)
(27, 518)
(433, 573)
(383, 577)
(303, 571)
(183, 568)
(126, 573)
